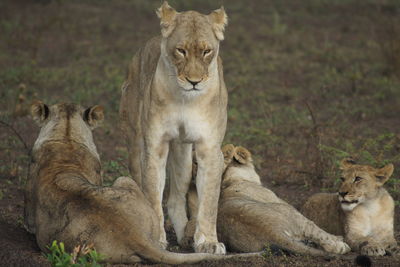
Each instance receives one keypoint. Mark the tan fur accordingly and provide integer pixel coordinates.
(251, 216)
(65, 199)
(363, 210)
(175, 98)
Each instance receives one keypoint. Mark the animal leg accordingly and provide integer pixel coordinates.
(179, 173)
(208, 181)
(328, 242)
(153, 181)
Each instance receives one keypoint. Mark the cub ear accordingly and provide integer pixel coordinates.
(94, 116)
(219, 20)
(40, 112)
(383, 174)
(346, 163)
(228, 151)
(167, 17)
(242, 155)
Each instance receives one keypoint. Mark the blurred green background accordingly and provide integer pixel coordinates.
(310, 82)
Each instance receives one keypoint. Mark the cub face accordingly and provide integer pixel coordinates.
(191, 43)
(359, 183)
(66, 121)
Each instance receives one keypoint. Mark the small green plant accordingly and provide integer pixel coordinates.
(267, 253)
(82, 256)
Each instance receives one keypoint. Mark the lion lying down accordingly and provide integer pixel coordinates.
(65, 199)
(362, 210)
(251, 216)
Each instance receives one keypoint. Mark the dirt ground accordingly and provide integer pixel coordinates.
(310, 82)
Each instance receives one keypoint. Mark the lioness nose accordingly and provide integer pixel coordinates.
(342, 194)
(193, 82)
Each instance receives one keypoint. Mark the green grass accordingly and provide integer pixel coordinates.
(306, 80)
(85, 257)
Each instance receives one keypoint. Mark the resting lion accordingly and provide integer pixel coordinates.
(65, 199)
(251, 216)
(173, 99)
(362, 211)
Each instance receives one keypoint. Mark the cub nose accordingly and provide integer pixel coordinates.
(194, 83)
(342, 194)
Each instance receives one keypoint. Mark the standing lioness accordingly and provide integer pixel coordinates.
(173, 98)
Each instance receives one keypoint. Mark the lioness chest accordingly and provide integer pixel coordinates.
(182, 122)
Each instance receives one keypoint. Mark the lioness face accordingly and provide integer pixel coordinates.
(66, 121)
(191, 43)
(360, 183)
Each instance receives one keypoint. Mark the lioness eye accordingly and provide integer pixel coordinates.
(206, 52)
(357, 179)
(181, 51)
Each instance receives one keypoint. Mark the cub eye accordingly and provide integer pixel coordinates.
(342, 179)
(181, 51)
(357, 179)
(206, 52)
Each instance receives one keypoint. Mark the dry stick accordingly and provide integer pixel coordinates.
(17, 134)
(28, 150)
(318, 137)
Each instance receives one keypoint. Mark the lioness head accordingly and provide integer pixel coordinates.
(66, 122)
(239, 164)
(190, 44)
(360, 183)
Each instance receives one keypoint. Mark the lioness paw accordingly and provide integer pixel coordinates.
(163, 239)
(211, 247)
(336, 245)
(342, 248)
(186, 243)
(371, 250)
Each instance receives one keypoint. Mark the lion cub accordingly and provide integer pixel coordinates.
(251, 216)
(65, 199)
(362, 210)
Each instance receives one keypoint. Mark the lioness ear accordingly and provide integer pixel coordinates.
(383, 174)
(242, 155)
(347, 163)
(219, 20)
(228, 151)
(40, 112)
(94, 116)
(167, 17)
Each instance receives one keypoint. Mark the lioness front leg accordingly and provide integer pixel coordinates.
(208, 180)
(179, 174)
(153, 181)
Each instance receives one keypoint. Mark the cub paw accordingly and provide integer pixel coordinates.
(393, 249)
(210, 247)
(372, 250)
